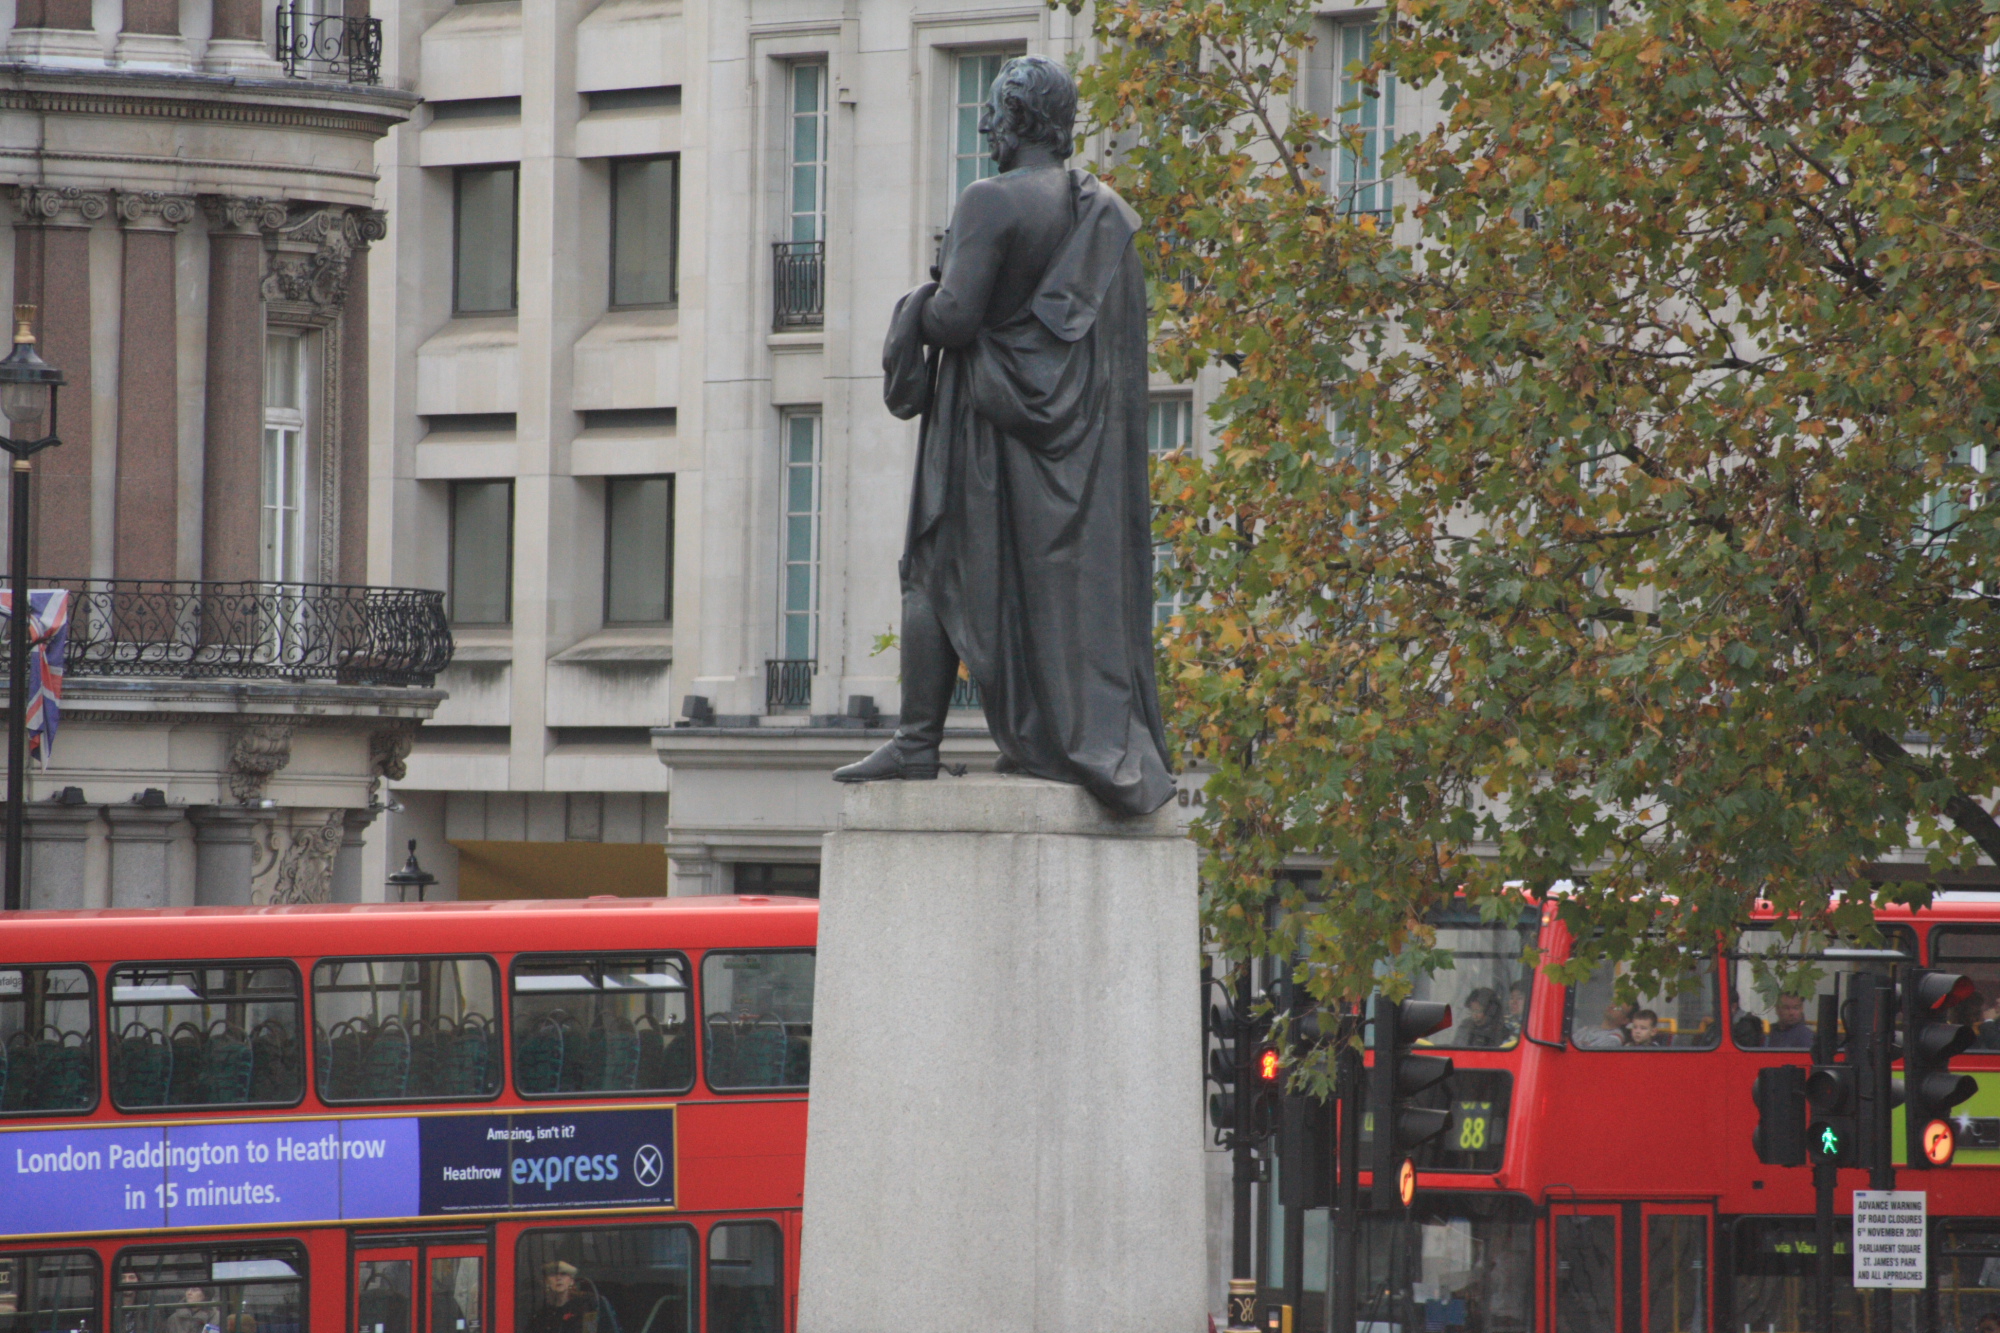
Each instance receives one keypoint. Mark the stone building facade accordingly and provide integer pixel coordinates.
(194, 196)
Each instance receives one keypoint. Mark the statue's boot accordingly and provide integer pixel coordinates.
(930, 671)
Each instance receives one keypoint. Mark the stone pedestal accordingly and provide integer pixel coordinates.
(1006, 1120)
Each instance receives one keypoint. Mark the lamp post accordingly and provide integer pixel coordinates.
(27, 398)
(411, 876)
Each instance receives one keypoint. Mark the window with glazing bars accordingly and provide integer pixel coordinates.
(1169, 427)
(971, 158)
(282, 558)
(798, 629)
(1368, 127)
(807, 193)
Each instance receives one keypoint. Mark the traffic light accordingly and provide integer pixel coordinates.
(1930, 1088)
(1832, 1134)
(1225, 1070)
(1305, 1152)
(1246, 1072)
(1780, 1136)
(1399, 1126)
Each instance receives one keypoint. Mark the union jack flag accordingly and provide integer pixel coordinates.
(48, 645)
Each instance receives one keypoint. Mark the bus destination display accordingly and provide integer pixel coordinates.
(365, 1168)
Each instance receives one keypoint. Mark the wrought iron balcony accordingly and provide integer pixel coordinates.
(347, 634)
(312, 46)
(798, 284)
(788, 684)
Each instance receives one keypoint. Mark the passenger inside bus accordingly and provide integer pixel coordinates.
(627, 1279)
(1486, 964)
(1682, 1016)
(566, 1309)
(1644, 1029)
(1791, 1032)
(1610, 1031)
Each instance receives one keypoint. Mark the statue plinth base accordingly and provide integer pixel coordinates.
(1006, 1119)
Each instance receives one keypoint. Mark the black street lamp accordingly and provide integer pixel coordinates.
(27, 398)
(411, 876)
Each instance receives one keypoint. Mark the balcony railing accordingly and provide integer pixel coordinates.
(347, 634)
(313, 46)
(965, 693)
(788, 684)
(798, 284)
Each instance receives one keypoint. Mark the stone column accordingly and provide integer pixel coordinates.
(54, 32)
(232, 479)
(145, 543)
(353, 498)
(141, 854)
(57, 850)
(350, 863)
(151, 37)
(52, 272)
(225, 854)
(236, 40)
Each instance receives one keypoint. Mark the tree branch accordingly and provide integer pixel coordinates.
(1972, 819)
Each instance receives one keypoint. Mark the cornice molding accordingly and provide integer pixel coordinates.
(210, 109)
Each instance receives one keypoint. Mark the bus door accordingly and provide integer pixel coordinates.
(1631, 1267)
(414, 1284)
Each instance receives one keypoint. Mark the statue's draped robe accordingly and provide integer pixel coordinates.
(1030, 527)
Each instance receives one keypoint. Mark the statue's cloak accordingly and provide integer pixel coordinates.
(1031, 521)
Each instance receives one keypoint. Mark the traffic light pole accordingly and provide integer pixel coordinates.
(1874, 1026)
(1344, 1279)
(1825, 1177)
(1243, 1150)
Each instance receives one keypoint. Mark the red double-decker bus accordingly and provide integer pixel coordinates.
(537, 1117)
(1598, 1175)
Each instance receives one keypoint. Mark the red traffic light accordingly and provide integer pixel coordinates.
(1940, 1142)
(1943, 990)
(1269, 1067)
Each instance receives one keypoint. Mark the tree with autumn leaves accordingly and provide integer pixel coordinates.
(1620, 509)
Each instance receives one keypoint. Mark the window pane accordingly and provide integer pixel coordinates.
(743, 1271)
(643, 231)
(638, 556)
(799, 577)
(1685, 1019)
(1968, 1273)
(1369, 125)
(457, 1296)
(1760, 1016)
(484, 240)
(1775, 1273)
(808, 153)
(971, 159)
(1169, 425)
(620, 1279)
(1586, 1278)
(1462, 1263)
(601, 1023)
(281, 371)
(238, 1289)
(49, 1293)
(482, 552)
(1677, 1274)
(387, 1028)
(382, 1300)
(1487, 985)
(757, 1012)
(1975, 951)
(205, 1036)
(48, 1040)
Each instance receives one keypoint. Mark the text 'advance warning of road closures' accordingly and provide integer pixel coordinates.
(116, 1177)
(1889, 1238)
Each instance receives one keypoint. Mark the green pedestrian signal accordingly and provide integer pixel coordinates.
(1829, 1141)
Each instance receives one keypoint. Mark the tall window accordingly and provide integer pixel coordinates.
(971, 160)
(482, 552)
(638, 549)
(283, 511)
(486, 200)
(1169, 426)
(1372, 110)
(798, 630)
(645, 230)
(807, 198)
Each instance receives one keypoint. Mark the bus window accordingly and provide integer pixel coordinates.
(386, 1029)
(1676, 1273)
(744, 1259)
(757, 1017)
(1684, 1019)
(50, 1291)
(1968, 1281)
(48, 1040)
(1458, 1262)
(240, 1289)
(1773, 1271)
(197, 1034)
(601, 1023)
(1975, 951)
(1487, 985)
(1762, 1017)
(606, 1280)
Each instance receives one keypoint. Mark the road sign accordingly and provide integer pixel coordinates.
(1889, 1232)
(1940, 1142)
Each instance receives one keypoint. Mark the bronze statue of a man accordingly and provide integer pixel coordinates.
(1029, 550)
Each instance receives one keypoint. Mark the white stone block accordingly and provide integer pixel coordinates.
(1006, 1107)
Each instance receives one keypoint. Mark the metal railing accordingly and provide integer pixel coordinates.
(965, 694)
(798, 284)
(788, 683)
(315, 46)
(345, 633)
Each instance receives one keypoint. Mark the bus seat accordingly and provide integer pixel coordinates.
(274, 1062)
(228, 1065)
(538, 1057)
(63, 1072)
(190, 1066)
(385, 1069)
(463, 1063)
(619, 1071)
(142, 1067)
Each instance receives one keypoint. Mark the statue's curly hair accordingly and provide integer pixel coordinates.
(1040, 103)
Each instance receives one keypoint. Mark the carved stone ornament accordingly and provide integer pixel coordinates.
(152, 210)
(229, 212)
(67, 203)
(255, 753)
(305, 868)
(312, 252)
(388, 751)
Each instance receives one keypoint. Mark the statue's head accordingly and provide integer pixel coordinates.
(1033, 103)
